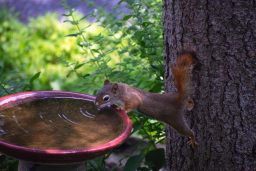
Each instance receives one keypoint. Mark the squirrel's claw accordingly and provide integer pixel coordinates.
(192, 142)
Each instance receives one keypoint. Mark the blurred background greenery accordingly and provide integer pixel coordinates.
(73, 53)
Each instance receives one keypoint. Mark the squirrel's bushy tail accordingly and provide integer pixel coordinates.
(182, 72)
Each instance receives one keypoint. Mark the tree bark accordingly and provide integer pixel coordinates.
(223, 35)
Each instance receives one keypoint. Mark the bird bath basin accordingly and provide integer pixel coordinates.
(55, 130)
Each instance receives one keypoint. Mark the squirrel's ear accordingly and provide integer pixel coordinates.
(106, 82)
(114, 88)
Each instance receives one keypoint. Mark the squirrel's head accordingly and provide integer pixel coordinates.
(109, 96)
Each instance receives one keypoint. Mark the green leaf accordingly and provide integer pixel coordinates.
(79, 66)
(85, 17)
(86, 75)
(127, 17)
(71, 22)
(130, 2)
(69, 73)
(133, 162)
(120, 2)
(155, 158)
(95, 50)
(66, 15)
(73, 34)
(145, 24)
(90, 4)
(136, 126)
(34, 77)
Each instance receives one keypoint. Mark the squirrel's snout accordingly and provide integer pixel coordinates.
(102, 106)
(97, 105)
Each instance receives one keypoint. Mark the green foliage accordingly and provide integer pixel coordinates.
(133, 162)
(8, 164)
(96, 164)
(155, 159)
(29, 49)
(128, 50)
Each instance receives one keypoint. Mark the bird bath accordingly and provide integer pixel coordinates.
(55, 130)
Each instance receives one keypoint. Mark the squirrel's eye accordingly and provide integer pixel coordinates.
(106, 98)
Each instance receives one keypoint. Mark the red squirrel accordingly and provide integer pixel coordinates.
(168, 107)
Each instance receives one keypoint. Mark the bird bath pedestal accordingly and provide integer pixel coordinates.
(58, 131)
(30, 166)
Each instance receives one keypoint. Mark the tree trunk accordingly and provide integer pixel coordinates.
(223, 35)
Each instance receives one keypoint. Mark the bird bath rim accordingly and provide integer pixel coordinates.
(67, 156)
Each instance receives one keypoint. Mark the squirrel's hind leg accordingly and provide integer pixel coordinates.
(180, 125)
(192, 141)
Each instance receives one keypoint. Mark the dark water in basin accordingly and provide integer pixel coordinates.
(58, 123)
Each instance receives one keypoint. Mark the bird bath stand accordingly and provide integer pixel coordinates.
(58, 131)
